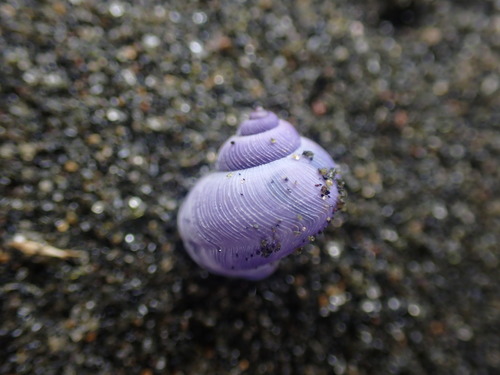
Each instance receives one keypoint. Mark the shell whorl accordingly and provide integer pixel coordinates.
(261, 139)
(259, 121)
(241, 222)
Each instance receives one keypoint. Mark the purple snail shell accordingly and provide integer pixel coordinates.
(272, 190)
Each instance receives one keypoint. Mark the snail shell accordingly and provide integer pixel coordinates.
(272, 190)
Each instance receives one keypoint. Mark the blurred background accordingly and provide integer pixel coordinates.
(110, 111)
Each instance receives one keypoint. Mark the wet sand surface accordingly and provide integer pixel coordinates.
(109, 112)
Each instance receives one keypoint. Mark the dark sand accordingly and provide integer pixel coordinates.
(110, 110)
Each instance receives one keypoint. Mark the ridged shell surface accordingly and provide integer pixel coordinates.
(272, 191)
(261, 139)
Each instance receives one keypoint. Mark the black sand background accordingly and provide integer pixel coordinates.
(109, 111)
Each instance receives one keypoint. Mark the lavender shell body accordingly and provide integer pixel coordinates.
(272, 190)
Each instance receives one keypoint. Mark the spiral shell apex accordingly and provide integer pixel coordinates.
(271, 191)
